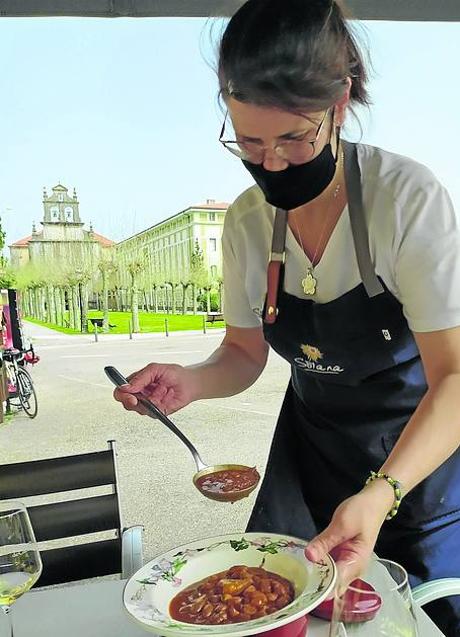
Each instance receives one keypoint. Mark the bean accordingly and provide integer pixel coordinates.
(214, 598)
(233, 612)
(220, 618)
(281, 601)
(248, 609)
(258, 599)
(207, 610)
(247, 594)
(207, 587)
(197, 605)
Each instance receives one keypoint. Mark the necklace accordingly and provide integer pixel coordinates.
(309, 283)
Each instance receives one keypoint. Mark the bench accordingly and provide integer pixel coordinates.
(212, 317)
(99, 322)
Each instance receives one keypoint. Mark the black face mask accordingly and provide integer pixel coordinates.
(297, 184)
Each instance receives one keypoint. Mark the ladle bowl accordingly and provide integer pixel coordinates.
(202, 469)
(224, 496)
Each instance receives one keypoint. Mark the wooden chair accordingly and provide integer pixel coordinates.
(72, 518)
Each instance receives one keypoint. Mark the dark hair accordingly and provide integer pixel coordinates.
(290, 54)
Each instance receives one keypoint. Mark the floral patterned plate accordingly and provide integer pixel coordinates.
(148, 592)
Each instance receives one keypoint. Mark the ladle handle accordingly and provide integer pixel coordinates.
(118, 379)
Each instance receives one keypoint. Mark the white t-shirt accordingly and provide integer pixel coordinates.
(414, 240)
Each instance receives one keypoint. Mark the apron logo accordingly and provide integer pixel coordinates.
(312, 353)
(309, 362)
(386, 335)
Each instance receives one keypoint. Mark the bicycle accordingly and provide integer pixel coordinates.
(21, 391)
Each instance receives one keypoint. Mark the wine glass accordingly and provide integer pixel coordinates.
(380, 604)
(20, 562)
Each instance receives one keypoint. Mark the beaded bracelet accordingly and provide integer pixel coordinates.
(397, 488)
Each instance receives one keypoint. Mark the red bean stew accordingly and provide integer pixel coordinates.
(236, 595)
(229, 480)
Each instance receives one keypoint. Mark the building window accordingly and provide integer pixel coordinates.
(212, 216)
(213, 245)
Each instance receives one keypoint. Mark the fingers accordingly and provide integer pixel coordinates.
(324, 543)
(150, 383)
(128, 401)
(141, 379)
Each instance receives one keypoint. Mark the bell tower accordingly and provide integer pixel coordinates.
(60, 207)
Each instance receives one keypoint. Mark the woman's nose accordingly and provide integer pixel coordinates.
(272, 161)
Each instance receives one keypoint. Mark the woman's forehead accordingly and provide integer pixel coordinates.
(260, 121)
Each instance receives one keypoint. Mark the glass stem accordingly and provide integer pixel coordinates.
(7, 611)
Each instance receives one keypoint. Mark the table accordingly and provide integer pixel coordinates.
(95, 610)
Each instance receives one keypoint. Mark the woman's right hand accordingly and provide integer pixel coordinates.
(169, 387)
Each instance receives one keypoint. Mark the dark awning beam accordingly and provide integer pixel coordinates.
(422, 10)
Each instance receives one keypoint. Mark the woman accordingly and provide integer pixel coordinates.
(361, 298)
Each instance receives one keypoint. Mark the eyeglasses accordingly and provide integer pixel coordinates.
(296, 150)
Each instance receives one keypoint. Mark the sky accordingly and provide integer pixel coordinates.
(126, 111)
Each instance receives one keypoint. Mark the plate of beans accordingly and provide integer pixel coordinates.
(235, 584)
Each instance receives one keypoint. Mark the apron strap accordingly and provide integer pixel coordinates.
(275, 265)
(358, 221)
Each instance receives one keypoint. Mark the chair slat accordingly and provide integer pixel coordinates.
(80, 562)
(53, 475)
(75, 517)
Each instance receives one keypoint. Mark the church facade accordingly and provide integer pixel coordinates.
(63, 239)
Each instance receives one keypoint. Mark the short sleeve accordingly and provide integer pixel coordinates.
(237, 308)
(427, 265)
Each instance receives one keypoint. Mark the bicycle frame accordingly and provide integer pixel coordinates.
(20, 383)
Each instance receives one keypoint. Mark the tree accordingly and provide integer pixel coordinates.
(32, 278)
(134, 269)
(198, 273)
(79, 272)
(220, 283)
(107, 268)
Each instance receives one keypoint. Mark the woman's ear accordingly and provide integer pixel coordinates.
(341, 106)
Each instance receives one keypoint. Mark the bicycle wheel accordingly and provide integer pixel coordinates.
(27, 394)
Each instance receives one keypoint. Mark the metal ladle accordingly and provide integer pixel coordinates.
(202, 469)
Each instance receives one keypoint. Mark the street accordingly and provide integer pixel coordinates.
(77, 414)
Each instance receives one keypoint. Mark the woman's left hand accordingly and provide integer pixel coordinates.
(352, 533)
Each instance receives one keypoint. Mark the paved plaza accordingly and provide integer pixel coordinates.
(77, 414)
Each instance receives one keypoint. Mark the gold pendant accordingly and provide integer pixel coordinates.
(309, 283)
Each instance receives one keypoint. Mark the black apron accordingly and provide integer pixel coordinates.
(357, 377)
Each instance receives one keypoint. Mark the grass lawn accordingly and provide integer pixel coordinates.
(148, 322)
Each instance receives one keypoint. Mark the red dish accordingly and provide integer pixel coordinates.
(297, 628)
(358, 607)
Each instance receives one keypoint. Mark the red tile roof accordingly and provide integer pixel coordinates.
(103, 240)
(22, 242)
